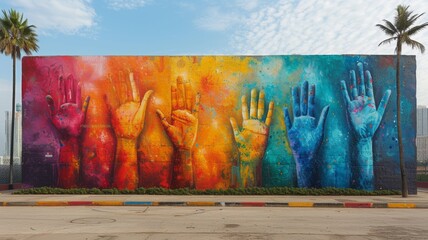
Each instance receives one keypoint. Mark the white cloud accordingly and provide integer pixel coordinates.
(126, 4)
(216, 20)
(325, 27)
(65, 16)
(222, 15)
(247, 4)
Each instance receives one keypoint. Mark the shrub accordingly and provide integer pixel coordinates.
(330, 191)
(422, 178)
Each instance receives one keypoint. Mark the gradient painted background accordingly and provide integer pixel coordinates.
(221, 81)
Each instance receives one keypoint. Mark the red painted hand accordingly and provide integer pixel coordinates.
(68, 120)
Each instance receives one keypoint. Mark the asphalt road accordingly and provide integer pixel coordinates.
(112, 223)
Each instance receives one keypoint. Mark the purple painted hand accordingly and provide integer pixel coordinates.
(68, 120)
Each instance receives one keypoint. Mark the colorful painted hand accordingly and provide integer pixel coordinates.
(365, 120)
(128, 122)
(68, 120)
(252, 139)
(182, 132)
(305, 135)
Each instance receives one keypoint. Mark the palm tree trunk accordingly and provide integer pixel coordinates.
(12, 130)
(404, 189)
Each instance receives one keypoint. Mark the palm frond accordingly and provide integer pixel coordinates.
(409, 21)
(392, 26)
(387, 41)
(413, 18)
(416, 29)
(386, 29)
(402, 17)
(414, 44)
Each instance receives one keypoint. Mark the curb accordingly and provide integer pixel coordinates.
(358, 204)
(219, 204)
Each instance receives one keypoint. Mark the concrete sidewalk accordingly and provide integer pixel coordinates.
(413, 201)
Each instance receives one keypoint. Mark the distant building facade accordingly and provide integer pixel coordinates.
(422, 134)
(17, 148)
(17, 145)
(422, 121)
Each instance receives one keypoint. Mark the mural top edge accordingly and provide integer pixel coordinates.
(225, 55)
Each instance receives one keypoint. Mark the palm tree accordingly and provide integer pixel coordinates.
(401, 31)
(15, 36)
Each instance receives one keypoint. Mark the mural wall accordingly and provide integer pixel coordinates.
(215, 122)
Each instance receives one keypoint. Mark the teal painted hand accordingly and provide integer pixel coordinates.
(364, 117)
(365, 120)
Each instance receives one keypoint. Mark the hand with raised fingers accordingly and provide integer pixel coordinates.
(361, 109)
(128, 123)
(182, 131)
(305, 134)
(68, 119)
(252, 139)
(365, 120)
(128, 119)
(71, 113)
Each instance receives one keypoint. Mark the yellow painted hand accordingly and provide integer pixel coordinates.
(182, 132)
(185, 107)
(252, 139)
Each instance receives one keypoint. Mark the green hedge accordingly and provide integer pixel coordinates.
(231, 191)
(422, 178)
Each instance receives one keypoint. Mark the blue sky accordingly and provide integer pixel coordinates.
(209, 27)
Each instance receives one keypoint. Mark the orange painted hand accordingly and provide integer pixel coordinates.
(128, 118)
(128, 122)
(252, 139)
(182, 132)
(185, 107)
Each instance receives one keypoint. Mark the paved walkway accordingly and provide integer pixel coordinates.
(413, 201)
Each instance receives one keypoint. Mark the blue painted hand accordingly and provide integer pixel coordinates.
(365, 120)
(305, 135)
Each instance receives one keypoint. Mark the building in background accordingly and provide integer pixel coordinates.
(422, 136)
(17, 148)
(422, 121)
(17, 145)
